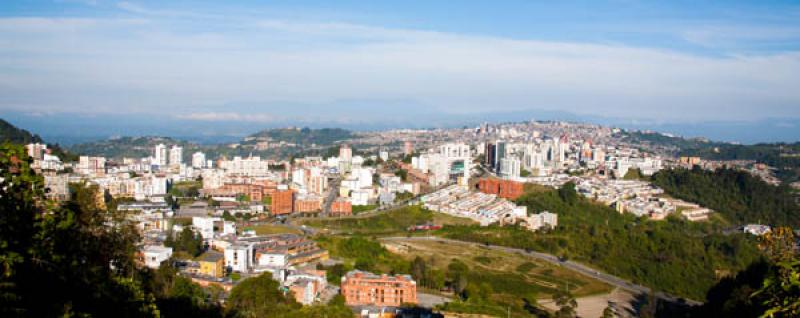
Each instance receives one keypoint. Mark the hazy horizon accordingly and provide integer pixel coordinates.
(686, 68)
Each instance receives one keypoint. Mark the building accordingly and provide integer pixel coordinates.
(341, 207)
(510, 167)
(160, 155)
(345, 153)
(198, 160)
(249, 167)
(238, 257)
(95, 166)
(507, 189)
(282, 202)
(308, 203)
(408, 148)
(211, 264)
(175, 155)
(153, 255)
(367, 289)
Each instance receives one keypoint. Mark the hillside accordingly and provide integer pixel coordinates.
(12, 134)
(785, 157)
(15, 135)
(129, 147)
(737, 195)
(302, 136)
(674, 256)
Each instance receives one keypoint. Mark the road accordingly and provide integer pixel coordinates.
(574, 266)
(332, 194)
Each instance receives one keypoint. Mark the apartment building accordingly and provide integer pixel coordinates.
(367, 289)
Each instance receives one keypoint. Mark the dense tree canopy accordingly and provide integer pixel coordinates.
(63, 260)
(674, 255)
(737, 195)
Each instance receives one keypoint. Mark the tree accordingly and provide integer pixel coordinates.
(781, 288)
(74, 259)
(633, 174)
(419, 270)
(566, 303)
(187, 241)
(259, 297)
(402, 173)
(227, 216)
(608, 312)
(567, 193)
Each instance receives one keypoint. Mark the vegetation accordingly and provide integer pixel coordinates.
(363, 208)
(634, 174)
(11, 134)
(69, 248)
(266, 229)
(402, 173)
(675, 256)
(737, 195)
(392, 222)
(187, 241)
(306, 136)
(480, 288)
(260, 297)
(767, 288)
(785, 157)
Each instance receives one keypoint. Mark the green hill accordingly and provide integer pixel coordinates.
(302, 136)
(15, 135)
(12, 134)
(737, 195)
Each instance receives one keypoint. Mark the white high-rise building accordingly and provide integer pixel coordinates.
(198, 160)
(454, 151)
(251, 167)
(509, 167)
(160, 155)
(176, 155)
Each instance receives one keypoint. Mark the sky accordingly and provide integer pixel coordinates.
(351, 62)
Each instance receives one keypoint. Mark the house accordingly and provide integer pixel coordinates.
(154, 254)
(211, 264)
(238, 257)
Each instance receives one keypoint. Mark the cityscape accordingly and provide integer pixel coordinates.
(311, 204)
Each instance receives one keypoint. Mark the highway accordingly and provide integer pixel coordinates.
(577, 267)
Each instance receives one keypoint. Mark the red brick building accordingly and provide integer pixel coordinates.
(308, 203)
(282, 202)
(341, 207)
(503, 188)
(254, 191)
(367, 289)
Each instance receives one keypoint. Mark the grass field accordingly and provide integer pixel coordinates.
(266, 229)
(394, 222)
(513, 278)
(499, 266)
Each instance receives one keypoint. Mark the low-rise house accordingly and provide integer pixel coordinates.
(211, 264)
(154, 255)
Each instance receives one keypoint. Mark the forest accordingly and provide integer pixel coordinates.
(738, 196)
(674, 256)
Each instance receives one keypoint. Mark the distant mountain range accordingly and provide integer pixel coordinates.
(73, 128)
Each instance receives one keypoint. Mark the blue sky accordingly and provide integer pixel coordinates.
(351, 61)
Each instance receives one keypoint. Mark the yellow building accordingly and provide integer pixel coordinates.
(212, 264)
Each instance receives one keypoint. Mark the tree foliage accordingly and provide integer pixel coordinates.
(674, 255)
(737, 195)
(70, 260)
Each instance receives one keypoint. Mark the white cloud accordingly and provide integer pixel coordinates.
(260, 118)
(97, 64)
